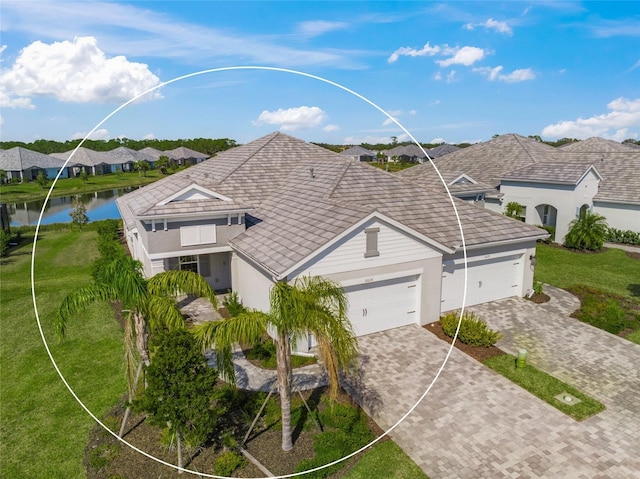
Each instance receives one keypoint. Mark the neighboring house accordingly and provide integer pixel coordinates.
(92, 162)
(278, 208)
(186, 156)
(359, 153)
(23, 164)
(407, 154)
(553, 184)
(442, 150)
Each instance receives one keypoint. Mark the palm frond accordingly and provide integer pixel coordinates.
(174, 282)
(77, 301)
(163, 313)
(124, 275)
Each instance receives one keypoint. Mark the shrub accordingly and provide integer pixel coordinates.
(587, 232)
(552, 232)
(515, 210)
(233, 304)
(624, 237)
(5, 238)
(103, 455)
(537, 287)
(227, 463)
(473, 330)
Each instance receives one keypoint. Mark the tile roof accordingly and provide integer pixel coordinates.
(358, 151)
(566, 173)
(303, 196)
(442, 150)
(508, 156)
(155, 153)
(184, 153)
(83, 156)
(596, 145)
(18, 159)
(411, 150)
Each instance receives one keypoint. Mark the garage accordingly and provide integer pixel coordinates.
(380, 305)
(489, 279)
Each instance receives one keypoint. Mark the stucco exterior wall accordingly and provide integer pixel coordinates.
(622, 217)
(566, 199)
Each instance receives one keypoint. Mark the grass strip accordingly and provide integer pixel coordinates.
(545, 387)
(386, 459)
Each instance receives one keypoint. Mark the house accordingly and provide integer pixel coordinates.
(552, 184)
(407, 154)
(278, 208)
(359, 153)
(186, 156)
(23, 164)
(442, 150)
(84, 159)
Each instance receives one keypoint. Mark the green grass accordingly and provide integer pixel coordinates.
(386, 459)
(634, 337)
(31, 191)
(545, 387)
(43, 431)
(612, 271)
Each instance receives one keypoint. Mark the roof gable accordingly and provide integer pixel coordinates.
(193, 192)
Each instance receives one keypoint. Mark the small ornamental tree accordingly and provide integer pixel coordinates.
(587, 232)
(179, 389)
(84, 176)
(78, 211)
(142, 166)
(41, 179)
(163, 163)
(514, 210)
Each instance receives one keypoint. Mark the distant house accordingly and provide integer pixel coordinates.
(552, 184)
(359, 153)
(278, 208)
(407, 154)
(186, 156)
(24, 165)
(442, 150)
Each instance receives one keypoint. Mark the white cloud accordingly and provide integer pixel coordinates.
(634, 66)
(624, 114)
(413, 112)
(494, 74)
(491, 24)
(451, 76)
(330, 128)
(462, 56)
(2, 49)
(395, 114)
(427, 50)
(77, 72)
(437, 141)
(149, 136)
(292, 118)
(437, 76)
(102, 134)
(315, 28)
(16, 102)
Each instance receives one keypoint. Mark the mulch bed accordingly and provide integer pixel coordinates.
(265, 444)
(476, 352)
(539, 298)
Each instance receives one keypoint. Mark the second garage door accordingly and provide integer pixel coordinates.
(382, 305)
(488, 280)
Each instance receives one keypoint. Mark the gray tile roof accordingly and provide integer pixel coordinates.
(412, 151)
(84, 156)
(511, 156)
(155, 153)
(358, 151)
(184, 153)
(596, 145)
(442, 150)
(296, 210)
(566, 173)
(19, 159)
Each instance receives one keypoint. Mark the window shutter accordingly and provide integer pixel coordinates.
(372, 242)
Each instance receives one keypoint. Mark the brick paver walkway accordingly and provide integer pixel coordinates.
(476, 424)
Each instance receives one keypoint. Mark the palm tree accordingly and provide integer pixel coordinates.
(151, 305)
(309, 305)
(587, 232)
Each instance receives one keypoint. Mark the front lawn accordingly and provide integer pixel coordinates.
(611, 271)
(44, 431)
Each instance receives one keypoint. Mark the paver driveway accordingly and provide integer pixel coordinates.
(475, 424)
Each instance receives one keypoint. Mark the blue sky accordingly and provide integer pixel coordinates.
(447, 71)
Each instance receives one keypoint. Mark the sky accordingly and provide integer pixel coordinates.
(446, 71)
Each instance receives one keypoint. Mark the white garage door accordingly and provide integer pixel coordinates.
(488, 280)
(384, 304)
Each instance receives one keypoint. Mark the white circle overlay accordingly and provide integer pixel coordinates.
(235, 68)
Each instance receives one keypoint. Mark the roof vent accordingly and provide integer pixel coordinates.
(312, 173)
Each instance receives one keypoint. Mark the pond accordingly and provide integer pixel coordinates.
(100, 205)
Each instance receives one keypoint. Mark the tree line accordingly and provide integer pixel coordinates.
(203, 145)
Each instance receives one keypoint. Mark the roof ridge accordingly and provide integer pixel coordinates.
(338, 180)
(515, 135)
(246, 160)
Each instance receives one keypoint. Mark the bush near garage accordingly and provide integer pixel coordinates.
(473, 330)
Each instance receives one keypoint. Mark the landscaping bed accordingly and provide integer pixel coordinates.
(343, 425)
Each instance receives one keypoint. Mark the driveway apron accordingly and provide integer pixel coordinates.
(473, 423)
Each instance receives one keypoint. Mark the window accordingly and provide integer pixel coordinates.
(194, 235)
(546, 211)
(188, 263)
(372, 242)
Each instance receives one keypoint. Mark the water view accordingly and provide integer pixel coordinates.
(100, 205)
